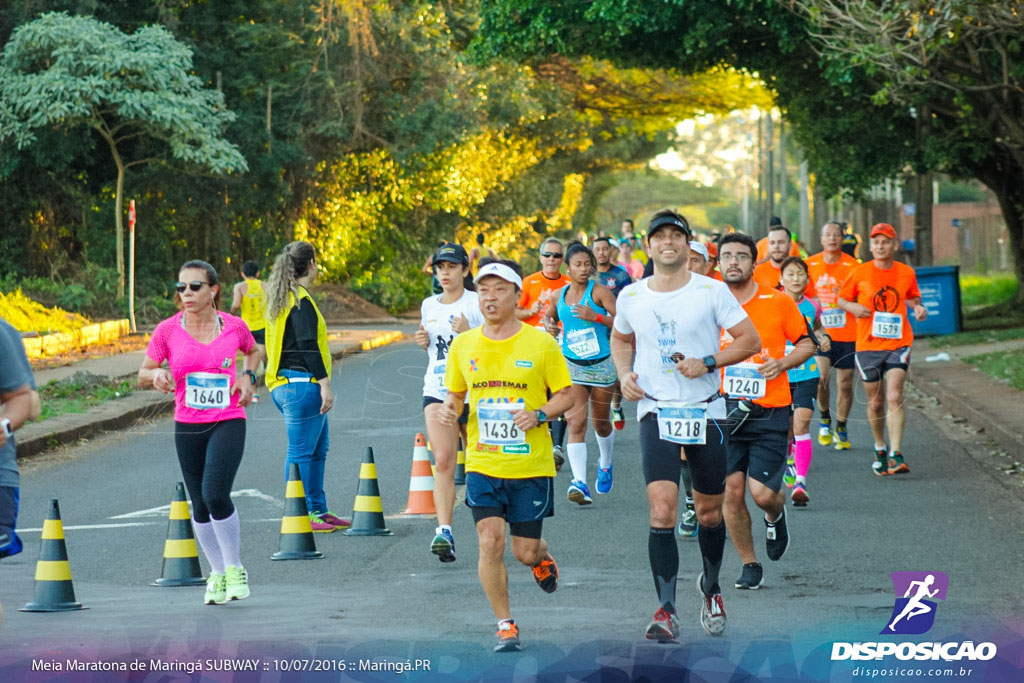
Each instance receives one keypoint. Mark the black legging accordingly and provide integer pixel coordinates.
(209, 455)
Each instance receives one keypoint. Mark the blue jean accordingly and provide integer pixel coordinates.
(308, 435)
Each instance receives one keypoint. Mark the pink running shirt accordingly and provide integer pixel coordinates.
(184, 355)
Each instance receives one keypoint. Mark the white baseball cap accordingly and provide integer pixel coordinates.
(700, 249)
(500, 270)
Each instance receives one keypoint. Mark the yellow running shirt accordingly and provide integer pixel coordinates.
(254, 305)
(514, 373)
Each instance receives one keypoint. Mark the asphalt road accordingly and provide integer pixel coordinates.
(388, 597)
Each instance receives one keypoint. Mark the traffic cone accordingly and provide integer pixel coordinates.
(430, 456)
(421, 481)
(181, 559)
(460, 466)
(368, 512)
(296, 532)
(53, 590)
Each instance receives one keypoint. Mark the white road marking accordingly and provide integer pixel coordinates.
(93, 526)
(164, 510)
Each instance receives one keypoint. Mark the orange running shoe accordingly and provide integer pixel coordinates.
(508, 637)
(546, 574)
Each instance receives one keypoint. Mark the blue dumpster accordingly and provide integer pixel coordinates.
(940, 294)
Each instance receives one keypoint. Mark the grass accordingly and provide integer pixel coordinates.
(1002, 366)
(81, 391)
(986, 336)
(986, 290)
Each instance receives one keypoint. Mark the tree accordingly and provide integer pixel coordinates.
(851, 105)
(136, 91)
(960, 65)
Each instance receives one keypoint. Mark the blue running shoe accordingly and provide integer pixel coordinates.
(604, 479)
(443, 545)
(579, 493)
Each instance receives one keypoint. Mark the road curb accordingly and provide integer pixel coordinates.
(954, 401)
(140, 405)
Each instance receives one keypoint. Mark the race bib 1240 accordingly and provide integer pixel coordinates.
(744, 381)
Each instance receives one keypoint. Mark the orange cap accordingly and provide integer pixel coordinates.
(884, 229)
(712, 249)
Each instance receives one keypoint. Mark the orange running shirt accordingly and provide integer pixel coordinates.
(537, 287)
(777, 320)
(768, 276)
(827, 279)
(886, 291)
(762, 249)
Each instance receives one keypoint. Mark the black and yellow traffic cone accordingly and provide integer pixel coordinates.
(460, 466)
(53, 590)
(296, 530)
(368, 512)
(181, 558)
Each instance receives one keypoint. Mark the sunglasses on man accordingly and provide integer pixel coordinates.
(551, 254)
(195, 286)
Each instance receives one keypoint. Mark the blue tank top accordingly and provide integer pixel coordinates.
(809, 368)
(582, 340)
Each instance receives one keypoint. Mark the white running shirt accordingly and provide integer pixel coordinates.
(436, 319)
(688, 320)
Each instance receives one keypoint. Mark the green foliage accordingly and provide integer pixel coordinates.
(986, 290)
(81, 391)
(1002, 366)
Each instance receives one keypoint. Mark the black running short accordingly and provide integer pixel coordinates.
(840, 354)
(260, 336)
(758, 448)
(804, 393)
(872, 365)
(463, 419)
(661, 461)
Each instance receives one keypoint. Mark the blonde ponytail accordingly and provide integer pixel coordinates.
(289, 266)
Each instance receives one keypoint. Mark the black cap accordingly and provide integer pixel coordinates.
(453, 253)
(669, 222)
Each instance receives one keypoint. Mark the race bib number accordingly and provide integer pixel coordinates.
(495, 424)
(744, 381)
(682, 423)
(833, 318)
(438, 377)
(583, 342)
(887, 325)
(207, 390)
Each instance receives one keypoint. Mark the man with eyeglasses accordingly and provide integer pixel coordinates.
(539, 291)
(759, 401)
(676, 318)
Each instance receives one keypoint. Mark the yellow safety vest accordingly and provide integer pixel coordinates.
(275, 338)
(254, 305)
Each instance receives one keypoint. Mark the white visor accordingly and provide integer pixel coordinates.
(700, 249)
(500, 270)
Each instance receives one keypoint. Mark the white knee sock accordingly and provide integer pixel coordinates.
(577, 453)
(605, 444)
(228, 532)
(207, 538)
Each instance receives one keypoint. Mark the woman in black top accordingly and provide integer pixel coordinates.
(299, 374)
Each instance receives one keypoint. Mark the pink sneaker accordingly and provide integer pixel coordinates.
(319, 525)
(334, 520)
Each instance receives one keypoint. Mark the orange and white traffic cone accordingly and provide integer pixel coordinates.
(421, 481)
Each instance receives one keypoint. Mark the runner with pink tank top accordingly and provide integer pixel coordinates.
(200, 344)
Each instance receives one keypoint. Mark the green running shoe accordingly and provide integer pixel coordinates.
(237, 583)
(216, 588)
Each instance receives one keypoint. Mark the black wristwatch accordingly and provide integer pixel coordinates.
(542, 417)
(710, 363)
(252, 376)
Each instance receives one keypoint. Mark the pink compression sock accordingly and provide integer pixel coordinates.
(802, 454)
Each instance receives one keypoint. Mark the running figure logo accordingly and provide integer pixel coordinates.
(914, 612)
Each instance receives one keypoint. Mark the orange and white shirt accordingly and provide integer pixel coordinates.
(827, 278)
(885, 293)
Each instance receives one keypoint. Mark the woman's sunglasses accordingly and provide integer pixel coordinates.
(195, 286)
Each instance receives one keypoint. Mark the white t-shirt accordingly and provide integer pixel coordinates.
(688, 320)
(437, 319)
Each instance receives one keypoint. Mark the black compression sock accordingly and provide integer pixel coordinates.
(712, 547)
(687, 481)
(558, 429)
(826, 416)
(841, 426)
(664, 556)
